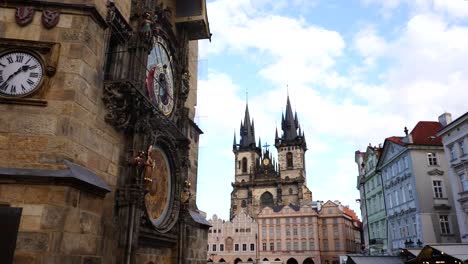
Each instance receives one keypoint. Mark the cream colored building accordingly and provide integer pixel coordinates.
(311, 233)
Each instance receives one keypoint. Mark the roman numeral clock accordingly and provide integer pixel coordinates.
(21, 73)
(26, 68)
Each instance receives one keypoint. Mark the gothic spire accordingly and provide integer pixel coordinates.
(234, 143)
(247, 130)
(289, 123)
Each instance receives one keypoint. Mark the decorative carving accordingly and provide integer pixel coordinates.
(116, 96)
(24, 15)
(435, 172)
(117, 23)
(186, 194)
(50, 18)
(146, 31)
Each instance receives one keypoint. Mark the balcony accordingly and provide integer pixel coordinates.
(192, 15)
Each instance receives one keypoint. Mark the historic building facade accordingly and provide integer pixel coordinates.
(100, 148)
(369, 184)
(310, 233)
(260, 181)
(455, 138)
(231, 241)
(417, 191)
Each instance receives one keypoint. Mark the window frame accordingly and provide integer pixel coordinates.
(432, 159)
(444, 223)
(437, 189)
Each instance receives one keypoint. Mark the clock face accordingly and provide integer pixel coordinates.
(160, 78)
(21, 73)
(157, 199)
(266, 161)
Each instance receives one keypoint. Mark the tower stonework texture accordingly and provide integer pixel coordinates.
(260, 181)
(99, 147)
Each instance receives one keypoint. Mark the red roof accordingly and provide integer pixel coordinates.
(425, 133)
(396, 140)
(351, 213)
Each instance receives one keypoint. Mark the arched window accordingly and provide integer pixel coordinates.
(265, 259)
(266, 200)
(289, 160)
(244, 164)
(243, 204)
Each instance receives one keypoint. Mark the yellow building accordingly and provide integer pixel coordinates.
(97, 135)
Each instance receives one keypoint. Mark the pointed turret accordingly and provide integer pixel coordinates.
(289, 123)
(247, 130)
(234, 143)
(292, 135)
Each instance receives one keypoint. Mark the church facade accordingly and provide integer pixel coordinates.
(261, 180)
(97, 135)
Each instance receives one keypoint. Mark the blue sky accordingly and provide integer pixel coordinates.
(357, 71)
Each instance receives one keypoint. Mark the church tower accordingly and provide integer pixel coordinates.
(291, 147)
(247, 153)
(260, 181)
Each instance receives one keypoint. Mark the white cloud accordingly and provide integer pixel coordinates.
(415, 75)
(291, 49)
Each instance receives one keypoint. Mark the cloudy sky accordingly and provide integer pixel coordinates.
(357, 71)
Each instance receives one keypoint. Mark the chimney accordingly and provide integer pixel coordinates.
(445, 119)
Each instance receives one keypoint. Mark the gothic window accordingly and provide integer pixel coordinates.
(243, 204)
(266, 200)
(290, 191)
(289, 160)
(244, 164)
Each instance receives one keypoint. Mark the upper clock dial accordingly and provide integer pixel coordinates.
(160, 78)
(21, 73)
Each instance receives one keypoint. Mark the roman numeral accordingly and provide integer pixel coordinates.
(33, 74)
(4, 86)
(33, 67)
(13, 89)
(19, 58)
(23, 88)
(30, 82)
(10, 60)
(1, 64)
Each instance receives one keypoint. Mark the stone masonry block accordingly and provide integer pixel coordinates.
(32, 241)
(89, 223)
(30, 143)
(88, 244)
(25, 259)
(53, 218)
(90, 202)
(72, 221)
(35, 124)
(36, 194)
(30, 223)
(12, 192)
(70, 244)
(32, 209)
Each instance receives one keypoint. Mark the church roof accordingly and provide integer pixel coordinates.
(247, 132)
